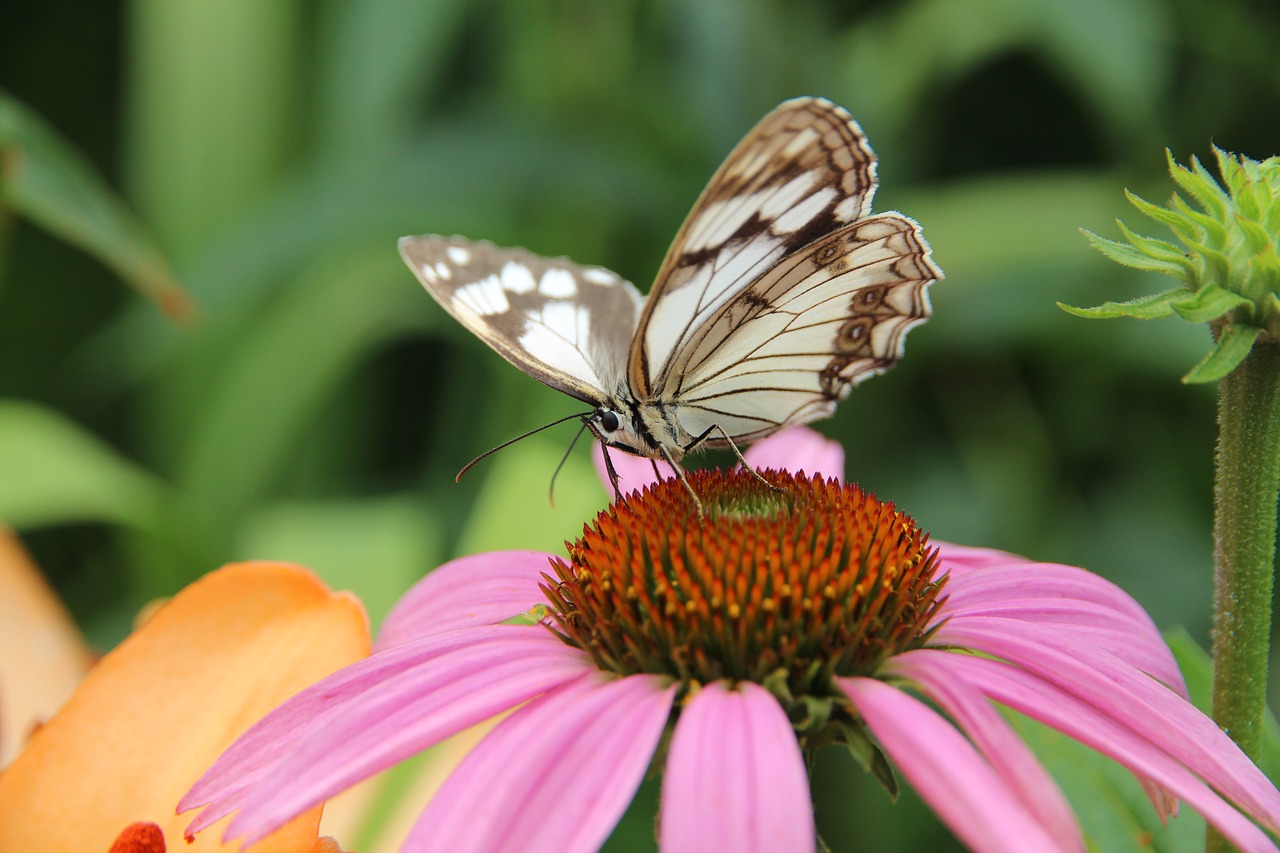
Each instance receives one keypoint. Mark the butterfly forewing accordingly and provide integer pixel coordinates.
(779, 294)
(565, 324)
(802, 172)
(787, 348)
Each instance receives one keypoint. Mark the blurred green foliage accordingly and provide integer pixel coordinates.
(317, 404)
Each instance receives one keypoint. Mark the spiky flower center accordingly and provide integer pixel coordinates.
(784, 586)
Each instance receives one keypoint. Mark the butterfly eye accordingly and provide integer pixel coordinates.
(608, 420)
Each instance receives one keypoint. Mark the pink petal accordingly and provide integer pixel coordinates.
(962, 558)
(1026, 579)
(1006, 752)
(735, 779)
(798, 449)
(948, 772)
(482, 589)
(1035, 697)
(634, 472)
(373, 714)
(278, 733)
(1088, 606)
(1128, 695)
(554, 776)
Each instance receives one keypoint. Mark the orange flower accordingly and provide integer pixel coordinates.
(42, 656)
(156, 711)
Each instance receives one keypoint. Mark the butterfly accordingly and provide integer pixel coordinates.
(780, 293)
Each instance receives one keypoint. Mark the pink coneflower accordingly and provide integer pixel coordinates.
(783, 619)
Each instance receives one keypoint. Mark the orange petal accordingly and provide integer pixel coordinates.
(42, 656)
(154, 713)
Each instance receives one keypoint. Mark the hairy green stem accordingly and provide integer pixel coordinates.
(1248, 476)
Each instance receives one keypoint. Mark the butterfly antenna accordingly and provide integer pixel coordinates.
(511, 441)
(551, 489)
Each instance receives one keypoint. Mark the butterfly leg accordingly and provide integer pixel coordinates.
(613, 472)
(679, 472)
(736, 452)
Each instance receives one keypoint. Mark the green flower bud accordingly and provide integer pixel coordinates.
(1227, 259)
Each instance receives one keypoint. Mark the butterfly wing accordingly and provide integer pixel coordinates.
(786, 349)
(564, 324)
(802, 172)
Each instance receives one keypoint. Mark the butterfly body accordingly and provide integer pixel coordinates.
(779, 294)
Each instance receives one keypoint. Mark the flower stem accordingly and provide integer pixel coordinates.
(1248, 477)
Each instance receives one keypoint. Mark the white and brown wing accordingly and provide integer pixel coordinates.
(565, 324)
(786, 349)
(804, 171)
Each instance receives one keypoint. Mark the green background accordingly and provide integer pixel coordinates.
(317, 405)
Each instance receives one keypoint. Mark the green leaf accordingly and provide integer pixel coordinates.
(375, 547)
(513, 510)
(44, 179)
(1208, 303)
(1143, 308)
(247, 418)
(1114, 813)
(366, 100)
(57, 473)
(211, 136)
(1197, 668)
(1232, 347)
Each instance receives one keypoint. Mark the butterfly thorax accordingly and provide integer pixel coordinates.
(641, 427)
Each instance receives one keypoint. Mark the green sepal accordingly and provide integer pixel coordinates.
(1143, 308)
(1198, 183)
(778, 683)
(1235, 177)
(1256, 238)
(1175, 221)
(1271, 221)
(1208, 303)
(809, 714)
(1233, 345)
(1126, 255)
(1219, 265)
(867, 754)
(1214, 231)
(1160, 250)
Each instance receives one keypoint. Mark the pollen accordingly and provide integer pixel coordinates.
(802, 577)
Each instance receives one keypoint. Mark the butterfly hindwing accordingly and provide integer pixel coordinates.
(564, 324)
(802, 172)
(786, 349)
